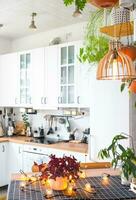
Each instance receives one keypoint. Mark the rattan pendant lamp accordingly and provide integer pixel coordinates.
(116, 65)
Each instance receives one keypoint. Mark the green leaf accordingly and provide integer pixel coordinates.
(68, 2)
(122, 87)
(121, 148)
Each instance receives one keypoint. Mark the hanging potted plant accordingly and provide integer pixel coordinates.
(95, 44)
(104, 4)
(121, 156)
(80, 4)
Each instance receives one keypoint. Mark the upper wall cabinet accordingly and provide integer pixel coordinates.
(45, 77)
(9, 79)
(73, 77)
(25, 75)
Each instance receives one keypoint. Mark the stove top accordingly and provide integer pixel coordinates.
(45, 141)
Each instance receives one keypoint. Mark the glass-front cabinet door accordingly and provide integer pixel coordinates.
(25, 78)
(67, 74)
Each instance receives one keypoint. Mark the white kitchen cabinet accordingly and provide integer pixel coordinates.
(9, 80)
(45, 80)
(109, 114)
(81, 157)
(41, 155)
(15, 156)
(51, 76)
(73, 77)
(38, 78)
(3, 164)
(67, 75)
(83, 81)
(25, 76)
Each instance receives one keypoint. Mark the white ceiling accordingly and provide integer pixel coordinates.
(16, 16)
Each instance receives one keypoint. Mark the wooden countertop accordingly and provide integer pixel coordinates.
(80, 147)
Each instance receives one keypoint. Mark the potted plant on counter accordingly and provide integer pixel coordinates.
(121, 156)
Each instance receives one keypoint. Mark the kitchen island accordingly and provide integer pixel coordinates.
(111, 189)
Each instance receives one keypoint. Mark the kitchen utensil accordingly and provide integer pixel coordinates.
(50, 131)
(68, 125)
(62, 120)
(55, 120)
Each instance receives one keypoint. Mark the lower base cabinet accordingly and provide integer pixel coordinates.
(3, 163)
(14, 158)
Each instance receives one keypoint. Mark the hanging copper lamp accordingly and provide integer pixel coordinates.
(115, 65)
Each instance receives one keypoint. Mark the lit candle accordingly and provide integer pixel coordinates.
(49, 192)
(88, 187)
(70, 190)
(70, 177)
(82, 175)
(22, 185)
(105, 180)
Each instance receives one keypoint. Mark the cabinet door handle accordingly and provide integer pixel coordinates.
(3, 148)
(30, 100)
(15, 100)
(59, 99)
(41, 100)
(45, 100)
(78, 99)
(19, 150)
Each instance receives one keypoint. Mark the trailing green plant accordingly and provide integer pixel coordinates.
(127, 84)
(25, 120)
(80, 4)
(120, 155)
(95, 44)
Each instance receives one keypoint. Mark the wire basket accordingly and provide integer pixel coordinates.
(119, 15)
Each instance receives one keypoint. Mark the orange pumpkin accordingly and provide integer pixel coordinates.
(104, 3)
(42, 167)
(132, 87)
(35, 167)
(129, 51)
(60, 183)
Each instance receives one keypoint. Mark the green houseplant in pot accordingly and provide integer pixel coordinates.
(125, 157)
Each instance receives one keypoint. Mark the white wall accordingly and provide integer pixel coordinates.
(109, 114)
(5, 45)
(44, 38)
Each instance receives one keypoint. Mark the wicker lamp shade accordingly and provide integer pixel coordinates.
(115, 65)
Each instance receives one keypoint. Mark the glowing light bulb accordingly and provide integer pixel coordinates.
(115, 68)
(49, 192)
(82, 175)
(105, 180)
(70, 190)
(88, 187)
(22, 185)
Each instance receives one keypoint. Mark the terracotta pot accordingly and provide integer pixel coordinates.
(60, 183)
(132, 87)
(129, 51)
(104, 4)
